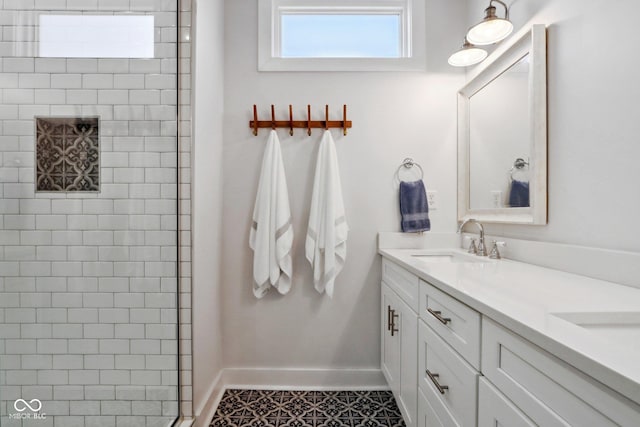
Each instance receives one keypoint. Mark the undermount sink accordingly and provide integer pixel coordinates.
(449, 258)
(613, 326)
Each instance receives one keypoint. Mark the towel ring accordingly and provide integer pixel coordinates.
(519, 164)
(408, 163)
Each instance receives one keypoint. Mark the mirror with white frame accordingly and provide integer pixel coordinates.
(502, 135)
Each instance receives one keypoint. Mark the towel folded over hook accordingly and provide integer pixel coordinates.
(271, 236)
(414, 207)
(326, 243)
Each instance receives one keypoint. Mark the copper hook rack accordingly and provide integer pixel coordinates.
(308, 124)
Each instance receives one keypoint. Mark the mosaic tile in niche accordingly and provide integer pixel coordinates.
(67, 154)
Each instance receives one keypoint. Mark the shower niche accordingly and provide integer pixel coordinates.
(67, 154)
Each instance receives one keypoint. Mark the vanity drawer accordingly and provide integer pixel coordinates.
(404, 283)
(494, 409)
(546, 389)
(429, 417)
(447, 369)
(456, 323)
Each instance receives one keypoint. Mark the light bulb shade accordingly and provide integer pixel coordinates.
(489, 31)
(468, 55)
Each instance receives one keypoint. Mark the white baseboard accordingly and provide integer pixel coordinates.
(287, 379)
(304, 379)
(214, 395)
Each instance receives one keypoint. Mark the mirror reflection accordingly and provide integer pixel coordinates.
(499, 145)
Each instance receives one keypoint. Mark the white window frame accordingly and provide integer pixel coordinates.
(412, 24)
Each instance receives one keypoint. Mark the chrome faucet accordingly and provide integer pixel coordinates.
(482, 249)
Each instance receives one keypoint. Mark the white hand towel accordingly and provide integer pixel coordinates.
(271, 235)
(326, 243)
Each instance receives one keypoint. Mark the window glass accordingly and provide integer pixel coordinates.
(340, 36)
(96, 36)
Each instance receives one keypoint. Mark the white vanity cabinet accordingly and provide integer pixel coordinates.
(400, 337)
(451, 366)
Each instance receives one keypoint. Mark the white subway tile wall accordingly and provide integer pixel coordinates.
(88, 282)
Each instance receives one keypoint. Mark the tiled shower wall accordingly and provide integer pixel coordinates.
(88, 283)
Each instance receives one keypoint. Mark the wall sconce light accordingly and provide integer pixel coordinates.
(467, 55)
(491, 29)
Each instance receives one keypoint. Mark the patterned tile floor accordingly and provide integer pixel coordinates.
(271, 408)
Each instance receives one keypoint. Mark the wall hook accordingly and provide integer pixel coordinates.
(255, 120)
(273, 117)
(290, 120)
(344, 119)
(326, 117)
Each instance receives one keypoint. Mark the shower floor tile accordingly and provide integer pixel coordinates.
(274, 408)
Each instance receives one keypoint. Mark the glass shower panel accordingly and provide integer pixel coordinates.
(88, 213)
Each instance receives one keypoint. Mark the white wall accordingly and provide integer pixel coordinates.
(207, 198)
(395, 115)
(593, 121)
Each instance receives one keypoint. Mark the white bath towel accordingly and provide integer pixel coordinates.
(326, 243)
(271, 235)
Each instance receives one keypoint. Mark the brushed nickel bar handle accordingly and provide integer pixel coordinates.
(434, 380)
(438, 315)
(394, 316)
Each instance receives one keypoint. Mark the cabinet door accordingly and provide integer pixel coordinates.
(494, 409)
(399, 360)
(407, 325)
(390, 344)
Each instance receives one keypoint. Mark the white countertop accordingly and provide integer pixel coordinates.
(523, 298)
